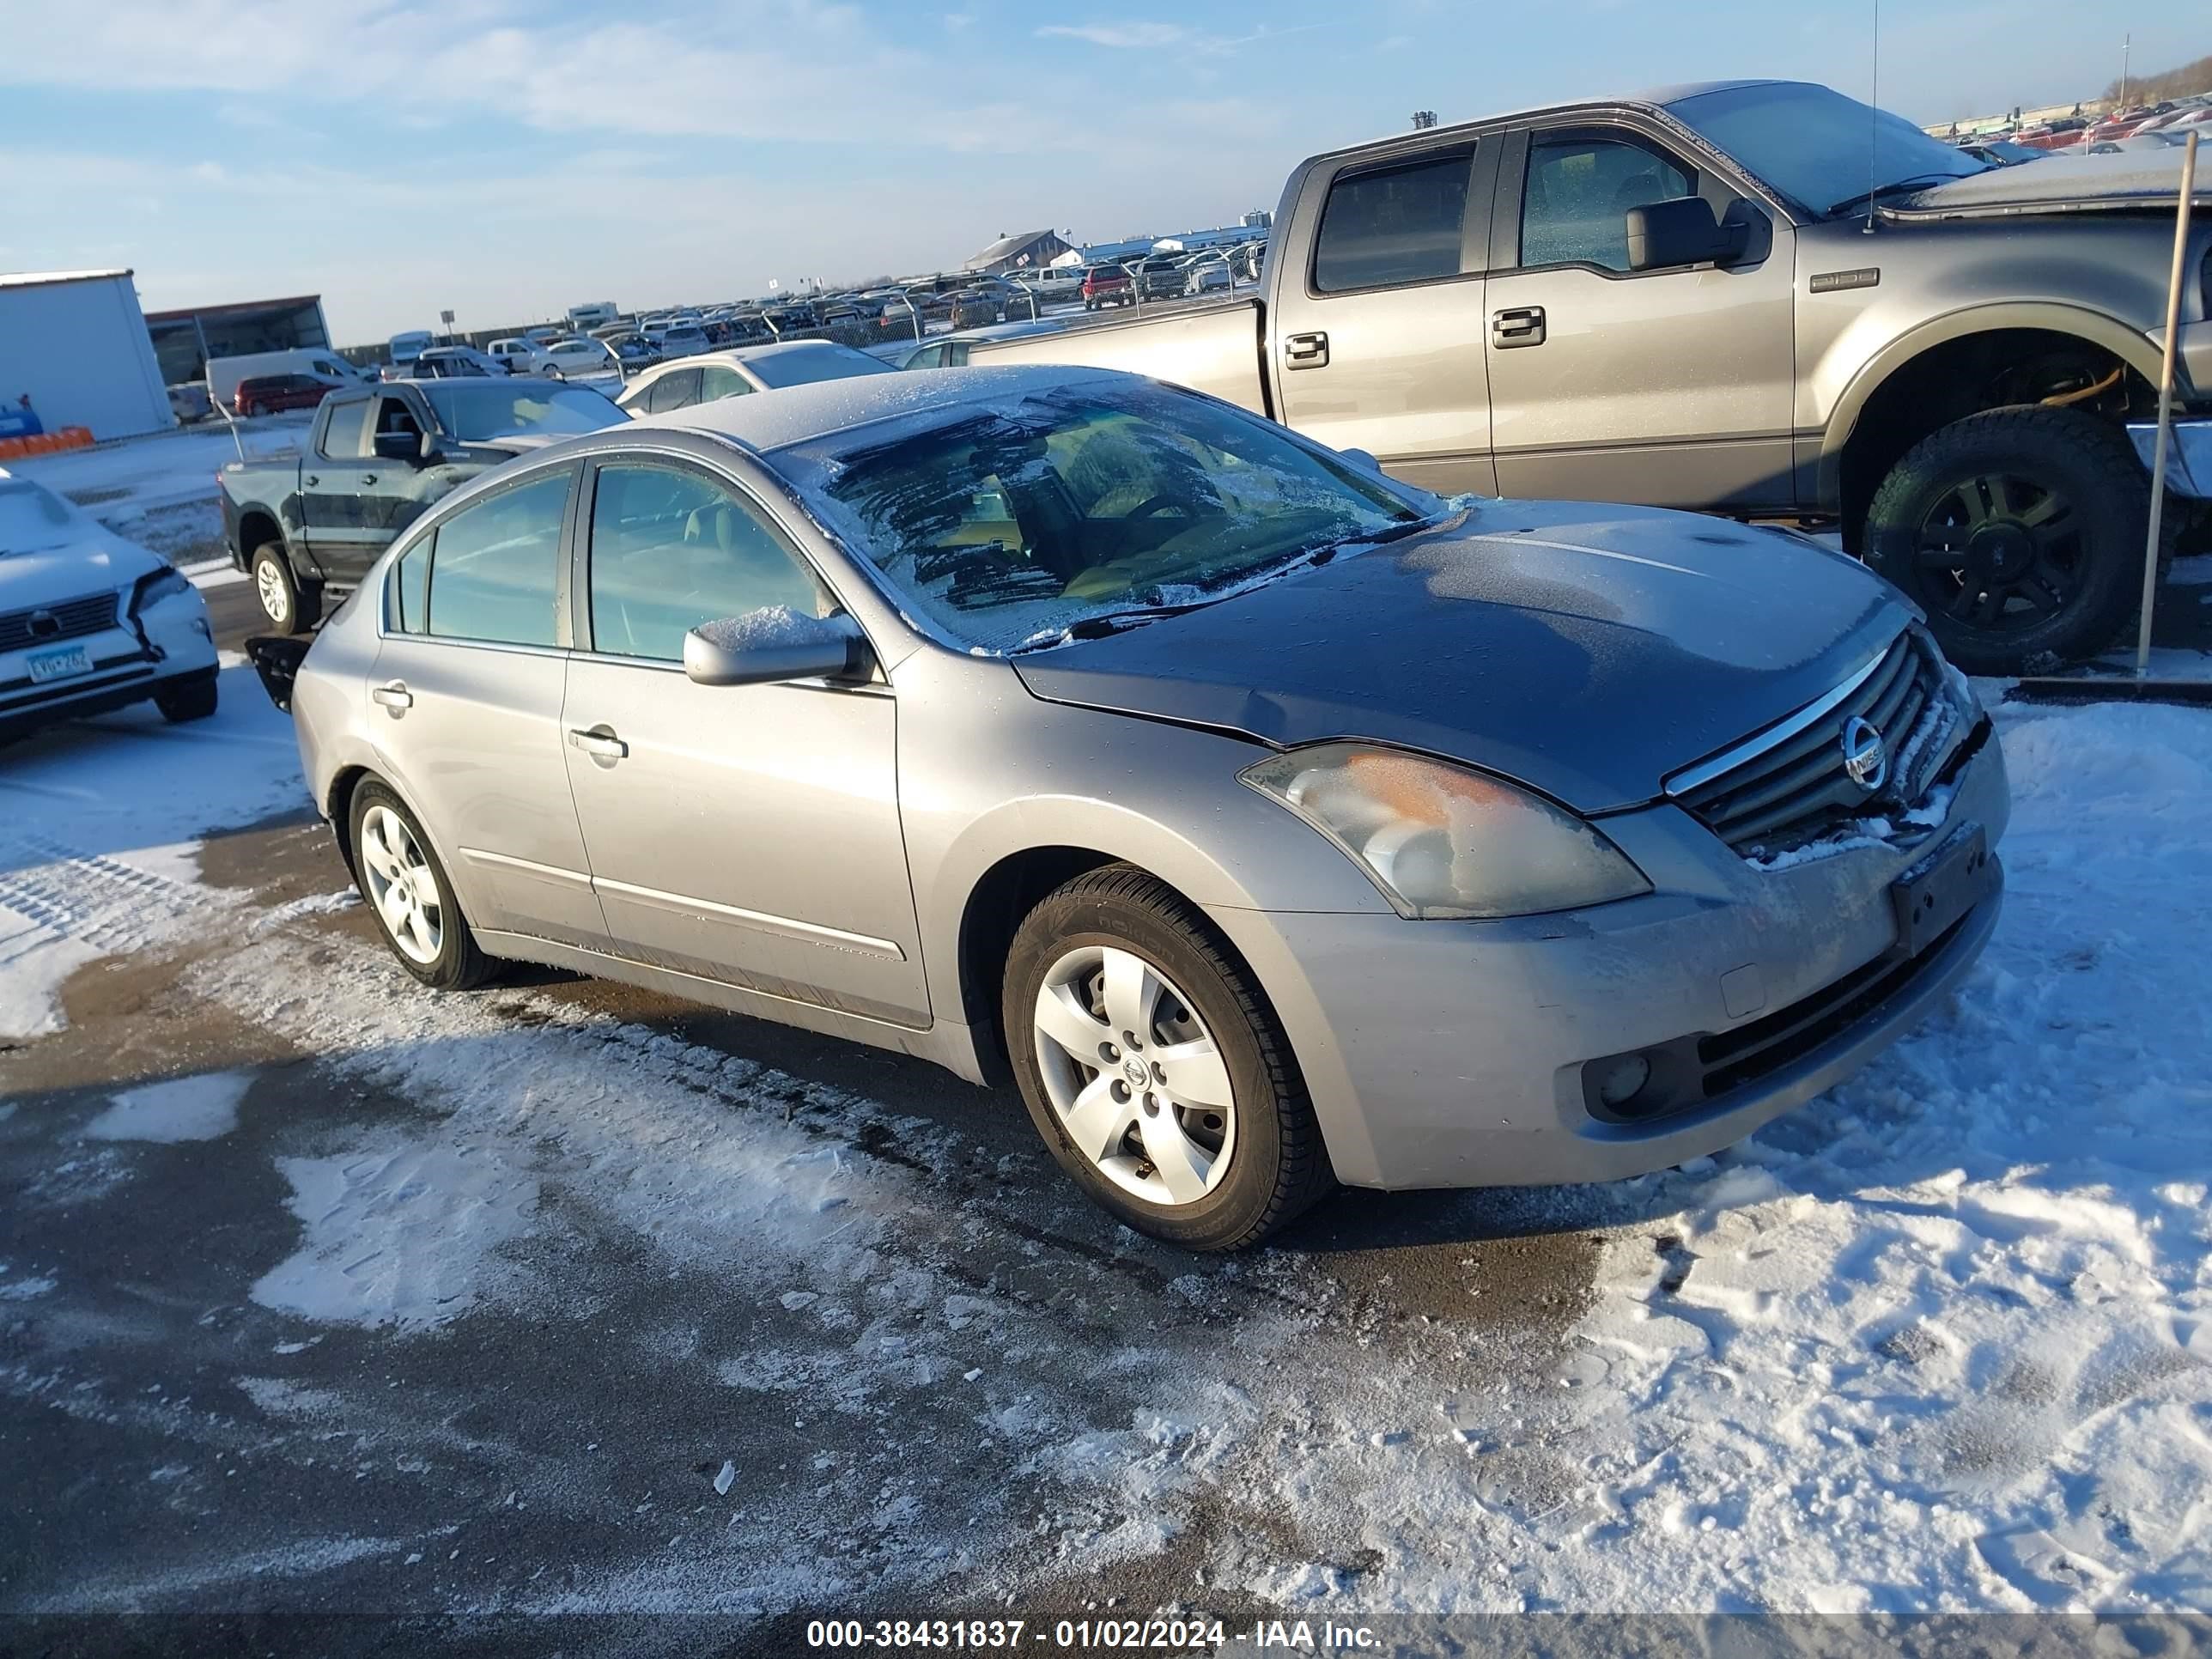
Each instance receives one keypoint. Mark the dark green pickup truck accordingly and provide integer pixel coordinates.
(375, 459)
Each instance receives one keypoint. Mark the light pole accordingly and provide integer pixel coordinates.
(2127, 40)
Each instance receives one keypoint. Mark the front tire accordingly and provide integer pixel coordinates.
(291, 606)
(408, 893)
(1153, 1067)
(2019, 532)
(193, 700)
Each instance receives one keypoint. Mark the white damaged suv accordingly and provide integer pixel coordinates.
(91, 622)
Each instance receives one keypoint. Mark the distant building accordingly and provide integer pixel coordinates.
(184, 339)
(1024, 253)
(75, 342)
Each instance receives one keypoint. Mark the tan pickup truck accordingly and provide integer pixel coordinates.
(1756, 298)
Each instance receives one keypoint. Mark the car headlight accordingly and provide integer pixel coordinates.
(167, 583)
(1444, 841)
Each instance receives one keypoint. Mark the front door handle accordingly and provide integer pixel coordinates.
(1522, 325)
(1305, 351)
(366, 478)
(392, 695)
(311, 481)
(600, 744)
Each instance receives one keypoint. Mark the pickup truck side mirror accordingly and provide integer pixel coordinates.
(1681, 231)
(763, 647)
(398, 446)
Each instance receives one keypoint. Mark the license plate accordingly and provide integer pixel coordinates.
(59, 664)
(1941, 888)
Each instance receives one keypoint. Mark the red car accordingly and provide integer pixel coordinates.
(267, 393)
(1105, 285)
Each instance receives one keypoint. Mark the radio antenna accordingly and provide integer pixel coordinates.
(1874, 120)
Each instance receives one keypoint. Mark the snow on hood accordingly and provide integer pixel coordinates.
(2148, 178)
(1587, 651)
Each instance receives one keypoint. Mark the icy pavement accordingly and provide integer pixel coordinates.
(322, 1290)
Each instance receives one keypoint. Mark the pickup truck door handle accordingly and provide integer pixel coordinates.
(311, 480)
(392, 695)
(1523, 325)
(600, 744)
(1305, 351)
(366, 478)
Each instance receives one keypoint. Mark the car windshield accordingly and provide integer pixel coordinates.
(473, 411)
(831, 362)
(1824, 151)
(32, 516)
(1011, 525)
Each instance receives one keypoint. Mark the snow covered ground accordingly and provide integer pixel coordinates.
(552, 1299)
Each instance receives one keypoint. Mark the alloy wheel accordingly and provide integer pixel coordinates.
(1135, 1079)
(269, 583)
(1998, 554)
(402, 885)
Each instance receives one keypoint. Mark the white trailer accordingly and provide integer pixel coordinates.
(75, 342)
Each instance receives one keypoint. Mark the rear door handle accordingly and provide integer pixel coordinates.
(1305, 351)
(1523, 325)
(368, 477)
(393, 694)
(311, 480)
(599, 743)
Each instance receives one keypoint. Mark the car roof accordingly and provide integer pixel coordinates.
(798, 414)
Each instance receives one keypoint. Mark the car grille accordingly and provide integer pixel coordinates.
(1785, 789)
(46, 624)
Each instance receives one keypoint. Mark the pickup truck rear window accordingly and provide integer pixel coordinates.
(1385, 226)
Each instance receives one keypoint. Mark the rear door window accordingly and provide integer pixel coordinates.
(1381, 227)
(494, 564)
(679, 390)
(720, 380)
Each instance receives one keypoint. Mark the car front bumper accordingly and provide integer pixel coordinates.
(1443, 1054)
(177, 645)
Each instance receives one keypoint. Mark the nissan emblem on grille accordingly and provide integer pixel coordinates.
(1866, 758)
(45, 625)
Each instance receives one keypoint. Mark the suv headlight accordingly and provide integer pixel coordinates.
(167, 583)
(1444, 841)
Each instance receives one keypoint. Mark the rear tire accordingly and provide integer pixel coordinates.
(291, 606)
(410, 895)
(1254, 1163)
(2019, 532)
(193, 700)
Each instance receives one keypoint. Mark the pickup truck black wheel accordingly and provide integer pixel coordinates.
(291, 606)
(1153, 1067)
(2019, 532)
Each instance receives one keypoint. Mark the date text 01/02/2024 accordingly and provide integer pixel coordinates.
(1086, 1635)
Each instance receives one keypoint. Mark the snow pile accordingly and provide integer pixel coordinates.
(199, 1107)
(97, 822)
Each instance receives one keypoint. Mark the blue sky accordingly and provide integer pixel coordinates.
(508, 159)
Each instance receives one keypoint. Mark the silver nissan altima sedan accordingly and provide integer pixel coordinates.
(1271, 824)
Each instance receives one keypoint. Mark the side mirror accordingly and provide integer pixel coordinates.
(1362, 459)
(763, 647)
(398, 446)
(1681, 232)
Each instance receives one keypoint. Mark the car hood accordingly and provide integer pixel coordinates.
(86, 562)
(2133, 180)
(1586, 651)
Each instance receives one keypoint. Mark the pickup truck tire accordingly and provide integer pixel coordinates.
(291, 606)
(1256, 1158)
(2019, 532)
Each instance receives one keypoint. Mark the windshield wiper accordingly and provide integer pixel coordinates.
(1917, 181)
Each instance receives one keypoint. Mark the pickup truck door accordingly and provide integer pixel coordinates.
(336, 474)
(1671, 387)
(1377, 321)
